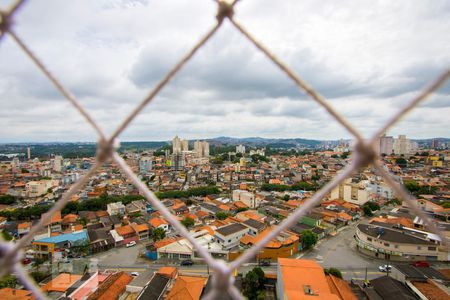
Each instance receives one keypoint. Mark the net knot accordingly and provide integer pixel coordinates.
(364, 154)
(105, 149)
(222, 279)
(225, 10)
(5, 21)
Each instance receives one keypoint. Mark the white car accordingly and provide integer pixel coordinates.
(385, 268)
(134, 274)
(131, 244)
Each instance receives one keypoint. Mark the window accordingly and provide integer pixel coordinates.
(419, 248)
(432, 248)
(386, 244)
(369, 239)
(229, 241)
(396, 246)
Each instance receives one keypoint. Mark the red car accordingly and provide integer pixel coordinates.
(421, 264)
(26, 261)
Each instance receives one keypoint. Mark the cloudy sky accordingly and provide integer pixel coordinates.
(368, 58)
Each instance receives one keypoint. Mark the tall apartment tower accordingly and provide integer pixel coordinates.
(434, 143)
(201, 148)
(28, 153)
(240, 149)
(402, 145)
(58, 163)
(176, 145)
(386, 144)
(184, 145)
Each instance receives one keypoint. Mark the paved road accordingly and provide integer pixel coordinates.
(340, 252)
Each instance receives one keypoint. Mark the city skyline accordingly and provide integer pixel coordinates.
(228, 88)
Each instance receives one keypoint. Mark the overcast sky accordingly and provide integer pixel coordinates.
(368, 58)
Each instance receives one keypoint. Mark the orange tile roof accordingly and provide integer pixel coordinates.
(164, 242)
(168, 271)
(345, 216)
(13, 294)
(240, 204)
(178, 205)
(24, 225)
(112, 287)
(140, 227)
(155, 222)
(445, 272)
(207, 228)
(299, 273)
(273, 243)
(187, 288)
(430, 290)
(202, 214)
(341, 288)
(101, 213)
(61, 283)
(70, 218)
(56, 217)
(402, 221)
(125, 230)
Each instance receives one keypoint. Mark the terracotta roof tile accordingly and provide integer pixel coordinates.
(61, 283)
(13, 294)
(187, 288)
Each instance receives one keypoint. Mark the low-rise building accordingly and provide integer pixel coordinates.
(394, 242)
(228, 236)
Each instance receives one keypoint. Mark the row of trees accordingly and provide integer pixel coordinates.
(197, 191)
(94, 204)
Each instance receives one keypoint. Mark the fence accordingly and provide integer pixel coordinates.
(364, 154)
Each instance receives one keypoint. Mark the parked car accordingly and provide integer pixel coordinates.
(385, 268)
(421, 264)
(187, 262)
(264, 263)
(134, 274)
(26, 261)
(131, 244)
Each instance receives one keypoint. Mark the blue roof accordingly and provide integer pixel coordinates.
(72, 237)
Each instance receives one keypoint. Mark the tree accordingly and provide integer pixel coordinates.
(188, 222)
(367, 211)
(286, 197)
(241, 209)
(309, 239)
(158, 234)
(401, 162)
(345, 155)
(7, 199)
(253, 284)
(373, 206)
(8, 281)
(446, 205)
(333, 271)
(221, 215)
(6, 235)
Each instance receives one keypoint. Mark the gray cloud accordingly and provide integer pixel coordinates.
(368, 59)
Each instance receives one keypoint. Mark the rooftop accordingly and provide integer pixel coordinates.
(230, 229)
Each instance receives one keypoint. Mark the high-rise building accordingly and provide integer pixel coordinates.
(402, 145)
(201, 148)
(240, 149)
(57, 163)
(386, 144)
(178, 161)
(184, 145)
(28, 153)
(434, 143)
(145, 165)
(176, 145)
